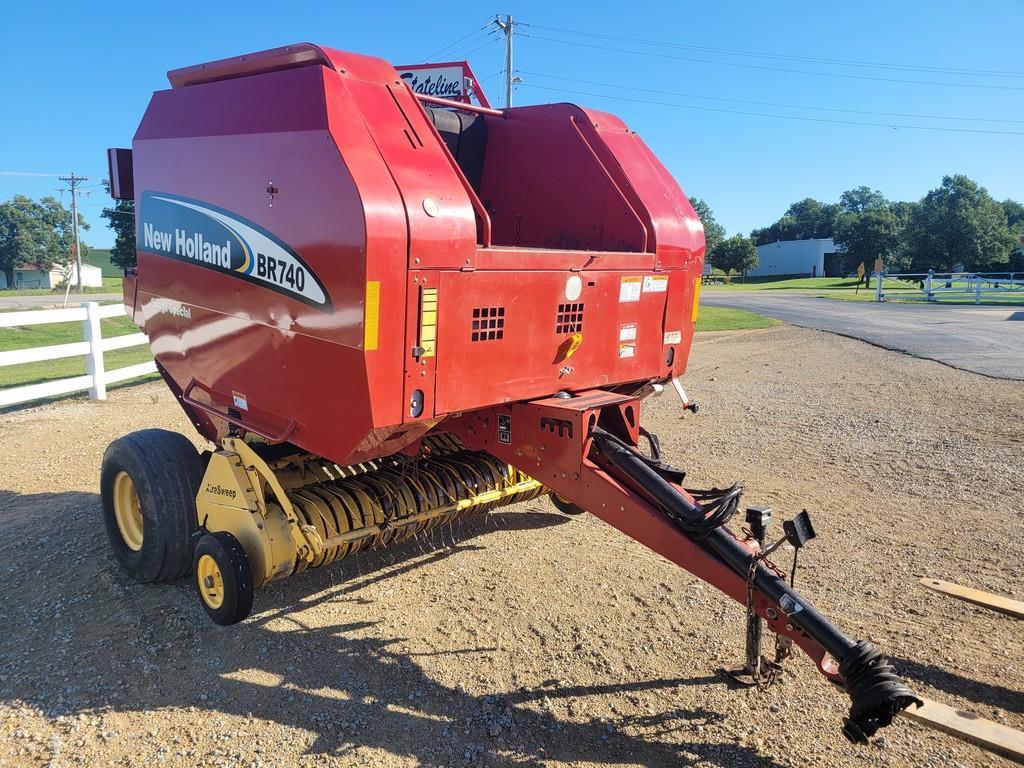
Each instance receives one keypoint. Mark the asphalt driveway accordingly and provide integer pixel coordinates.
(982, 339)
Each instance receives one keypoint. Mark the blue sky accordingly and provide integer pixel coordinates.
(76, 78)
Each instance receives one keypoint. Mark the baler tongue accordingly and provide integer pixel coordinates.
(590, 457)
(876, 693)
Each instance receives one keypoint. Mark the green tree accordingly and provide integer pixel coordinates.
(900, 259)
(868, 235)
(736, 254)
(121, 219)
(959, 223)
(862, 199)
(1015, 218)
(714, 232)
(1014, 212)
(32, 232)
(59, 217)
(784, 229)
(804, 220)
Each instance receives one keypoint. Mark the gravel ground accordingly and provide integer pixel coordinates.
(525, 638)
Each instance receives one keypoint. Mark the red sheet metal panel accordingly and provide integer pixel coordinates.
(505, 336)
(333, 203)
(327, 279)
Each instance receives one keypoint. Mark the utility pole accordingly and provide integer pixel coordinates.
(507, 27)
(75, 182)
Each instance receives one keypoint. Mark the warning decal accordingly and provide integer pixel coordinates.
(629, 289)
(655, 283)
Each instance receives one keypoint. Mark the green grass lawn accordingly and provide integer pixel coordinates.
(726, 319)
(806, 284)
(845, 288)
(110, 285)
(64, 333)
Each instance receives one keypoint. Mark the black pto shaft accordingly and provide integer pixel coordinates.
(877, 694)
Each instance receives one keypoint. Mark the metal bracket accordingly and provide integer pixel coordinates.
(308, 543)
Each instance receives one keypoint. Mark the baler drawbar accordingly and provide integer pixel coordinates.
(386, 312)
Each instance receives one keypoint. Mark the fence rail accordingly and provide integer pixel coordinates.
(92, 347)
(934, 285)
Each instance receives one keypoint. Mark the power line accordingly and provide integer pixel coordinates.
(787, 57)
(460, 51)
(772, 69)
(27, 173)
(780, 117)
(494, 35)
(456, 43)
(773, 103)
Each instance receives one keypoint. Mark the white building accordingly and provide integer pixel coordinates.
(31, 276)
(807, 258)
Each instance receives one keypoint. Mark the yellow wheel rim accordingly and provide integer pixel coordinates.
(128, 511)
(211, 583)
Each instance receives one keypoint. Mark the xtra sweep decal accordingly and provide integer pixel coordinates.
(207, 236)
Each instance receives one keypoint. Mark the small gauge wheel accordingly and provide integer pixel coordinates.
(223, 578)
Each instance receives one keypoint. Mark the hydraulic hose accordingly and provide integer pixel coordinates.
(876, 693)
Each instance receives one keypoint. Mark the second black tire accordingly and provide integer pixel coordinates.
(163, 470)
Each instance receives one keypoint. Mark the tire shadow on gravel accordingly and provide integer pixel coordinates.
(86, 638)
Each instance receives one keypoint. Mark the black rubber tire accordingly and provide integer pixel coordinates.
(565, 506)
(166, 470)
(235, 573)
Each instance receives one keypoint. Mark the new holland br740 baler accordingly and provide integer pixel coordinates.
(386, 311)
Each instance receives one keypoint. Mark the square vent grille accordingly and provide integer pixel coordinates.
(488, 323)
(569, 318)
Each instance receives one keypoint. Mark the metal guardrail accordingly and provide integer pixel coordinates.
(92, 347)
(934, 285)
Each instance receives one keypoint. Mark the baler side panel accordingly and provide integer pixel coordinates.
(219, 143)
(514, 331)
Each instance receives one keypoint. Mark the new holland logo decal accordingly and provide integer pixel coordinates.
(210, 237)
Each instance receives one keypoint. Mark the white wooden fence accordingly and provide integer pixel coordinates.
(970, 285)
(92, 347)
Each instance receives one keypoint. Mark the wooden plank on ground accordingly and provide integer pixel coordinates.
(997, 603)
(967, 726)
